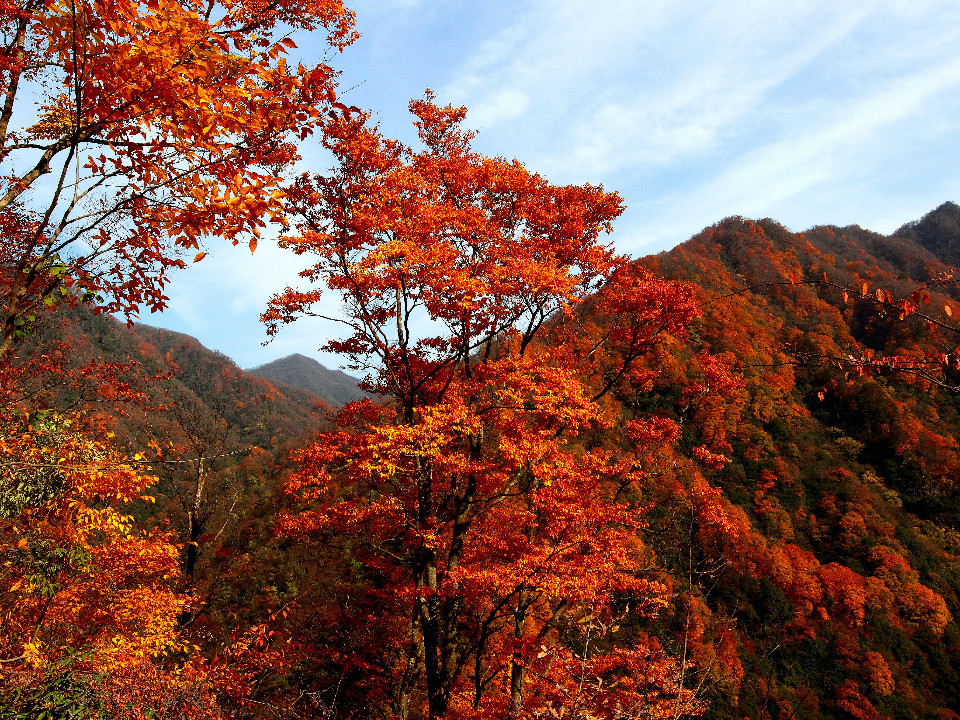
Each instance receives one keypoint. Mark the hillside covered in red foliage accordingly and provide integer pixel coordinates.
(836, 568)
(795, 481)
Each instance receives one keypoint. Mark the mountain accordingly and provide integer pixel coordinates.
(832, 562)
(265, 411)
(216, 437)
(333, 386)
(938, 232)
(163, 364)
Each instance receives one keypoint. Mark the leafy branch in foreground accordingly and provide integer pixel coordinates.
(161, 123)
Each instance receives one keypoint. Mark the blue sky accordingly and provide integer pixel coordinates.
(807, 112)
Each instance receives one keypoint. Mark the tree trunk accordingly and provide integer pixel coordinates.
(194, 524)
(516, 664)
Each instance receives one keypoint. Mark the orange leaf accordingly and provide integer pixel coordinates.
(253, 244)
(199, 256)
(948, 310)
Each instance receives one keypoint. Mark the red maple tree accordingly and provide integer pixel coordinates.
(501, 545)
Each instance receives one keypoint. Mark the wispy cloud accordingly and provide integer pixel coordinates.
(839, 162)
(779, 171)
(711, 108)
(625, 83)
(807, 112)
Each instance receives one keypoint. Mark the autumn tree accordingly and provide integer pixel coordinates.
(160, 123)
(501, 548)
(194, 443)
(89, 601)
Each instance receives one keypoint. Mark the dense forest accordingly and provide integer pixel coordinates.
(717, 482)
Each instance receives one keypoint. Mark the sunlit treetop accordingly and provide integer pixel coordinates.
(479, 245)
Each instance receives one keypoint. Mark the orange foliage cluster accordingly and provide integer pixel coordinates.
(162, 123)
(86, 594)
(508, 550)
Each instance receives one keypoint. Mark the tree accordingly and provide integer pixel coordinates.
(499, 545)
(197, 439)
(161, 123)
(89, 601)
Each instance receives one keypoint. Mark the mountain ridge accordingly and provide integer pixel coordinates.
(334, 387)
(841, 467)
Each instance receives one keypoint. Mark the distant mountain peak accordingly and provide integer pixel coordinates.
(333, 386)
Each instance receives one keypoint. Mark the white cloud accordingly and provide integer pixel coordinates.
(710, 96)
(833, 172)
(505, 104)
(782, 170)
(614, 84)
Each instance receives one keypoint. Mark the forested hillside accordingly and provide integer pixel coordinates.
(802, 503)
(838, 568)
(210, 439)
(334, 387)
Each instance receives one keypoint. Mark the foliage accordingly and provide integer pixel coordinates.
(90, 602)
(840, 453)
(502, 550)
(161, 123)
(578, 489)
